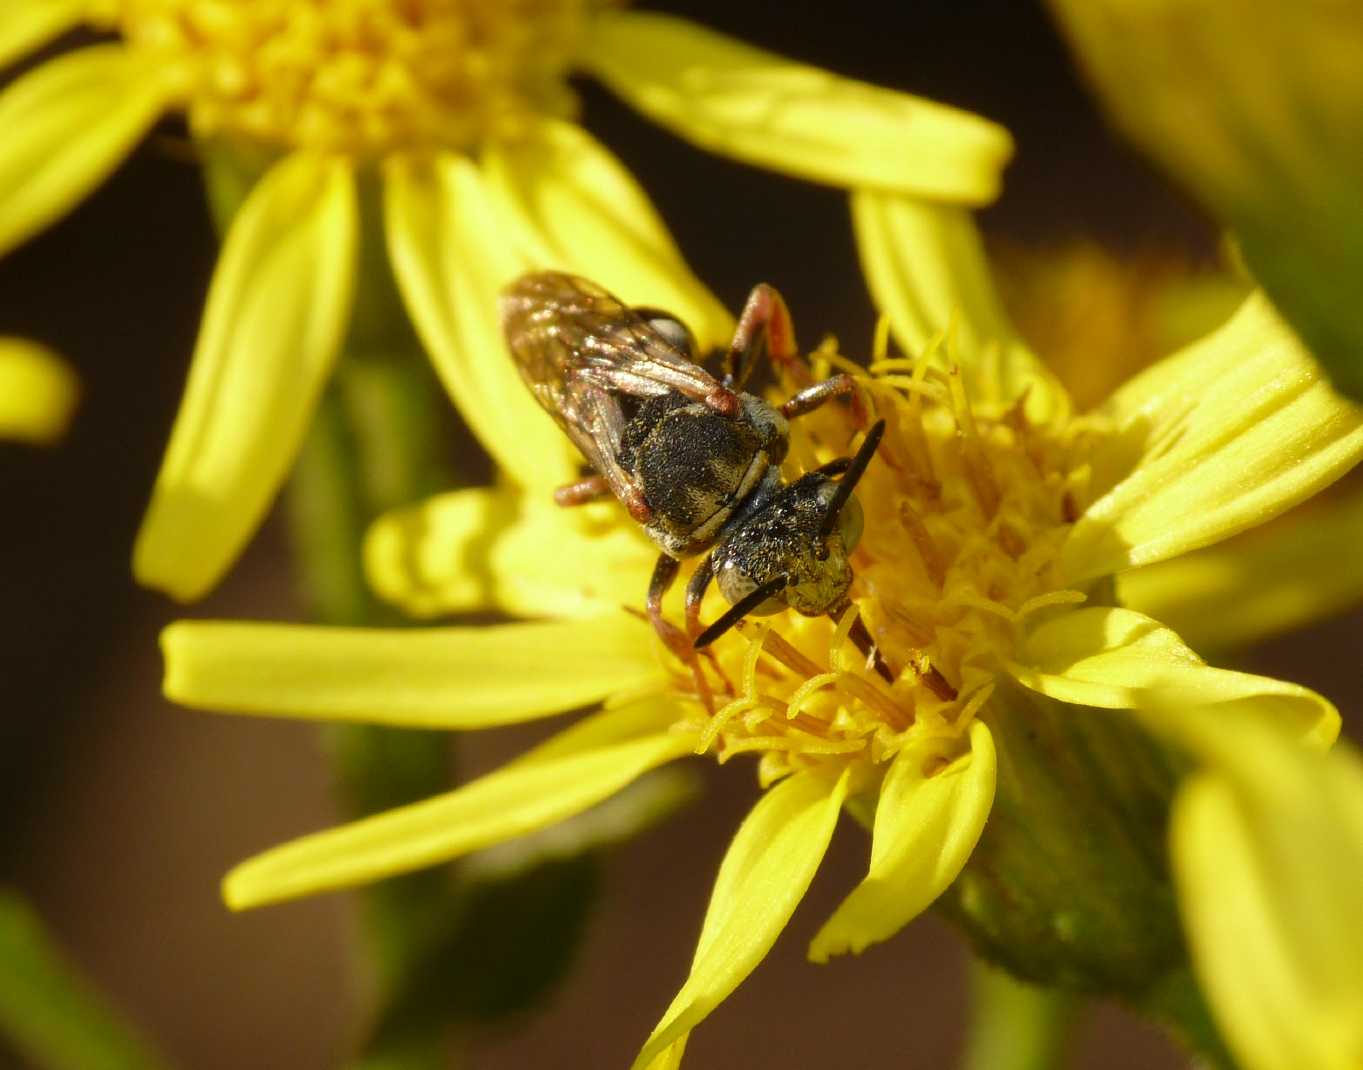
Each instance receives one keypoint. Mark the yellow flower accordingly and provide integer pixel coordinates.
(37, 392)
(995, 519)
(458, 118)
(1258, 118)
(1268, 852)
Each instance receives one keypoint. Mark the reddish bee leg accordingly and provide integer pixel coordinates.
(583, 491)
(664, 572)
(695, 593)
(764, 328)
(839, 386)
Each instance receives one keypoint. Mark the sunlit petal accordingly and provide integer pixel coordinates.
(26, 25)
(576, 208)
(472, 677)
(932, 809)
(1118, 659)
(452, 258)
(927, 271)
(67, 124)
(761, 108)
(276, 316)
(1269, 871)
(1301, 568)
(1218, 438)
(478, 549)
(37, 392)
(764, 876)
(498, 807)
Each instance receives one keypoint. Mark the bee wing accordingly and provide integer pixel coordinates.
(595, 421)
(560, 327)
(581, 351)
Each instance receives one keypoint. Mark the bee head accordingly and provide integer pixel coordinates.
(794, 551)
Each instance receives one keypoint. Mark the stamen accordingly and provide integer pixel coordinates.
(982, 497)
(722, 717)
(806, 691)
(923, 542)
(1010, 541)
(916, 632)
(873, 696)
(364, 78)
(973, 705)
(880, 344)
(973, 459)
(1051, 598)
(775, 645)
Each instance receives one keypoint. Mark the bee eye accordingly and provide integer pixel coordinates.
(850, 523)
(673, 330)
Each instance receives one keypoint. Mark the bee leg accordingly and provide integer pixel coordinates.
(839, 386)
(664, 572)
(695, 593)
(764, 328)
(862, 640)
(583, 491)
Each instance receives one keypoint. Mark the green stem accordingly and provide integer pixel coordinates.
(1177, 1004)
(1016, 1026)
(374, 445)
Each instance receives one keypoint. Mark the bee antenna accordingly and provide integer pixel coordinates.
(739, 610)
(854, 472)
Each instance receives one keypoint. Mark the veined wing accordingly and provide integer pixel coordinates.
(564, 331)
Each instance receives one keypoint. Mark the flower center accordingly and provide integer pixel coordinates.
(360, 77)
(966, 509)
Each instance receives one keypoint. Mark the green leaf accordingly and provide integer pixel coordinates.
(513, 942)
(49, 1011)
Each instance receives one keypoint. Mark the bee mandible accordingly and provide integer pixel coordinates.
(695, 460)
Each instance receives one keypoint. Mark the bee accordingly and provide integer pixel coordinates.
(696, 461)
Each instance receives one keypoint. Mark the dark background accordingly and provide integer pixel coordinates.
(119, 813)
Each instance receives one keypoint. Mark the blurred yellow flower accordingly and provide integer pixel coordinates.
(1259, 118)
(995, 519)
(37, 392)
(459, 114)
(1267, 844)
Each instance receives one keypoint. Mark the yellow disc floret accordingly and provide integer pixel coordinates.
(965, 514)
(360, 77)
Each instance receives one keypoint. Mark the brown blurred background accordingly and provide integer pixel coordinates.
(121, 812)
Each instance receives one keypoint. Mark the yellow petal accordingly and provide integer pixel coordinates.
(763, 877)
(37, 392)
(574, 207)
(276, 317)
(495, 808)
(670, 1058)
(1258, 118)
(648, 715)
(513, 550)
(67, 124)
(1218, 438)
(472, 677)
(27, 25)
(756, 106)
(452, 258)
(1269, 875)
(927, 272)
(1301, 568)
(928, 820)
(1118, 659)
